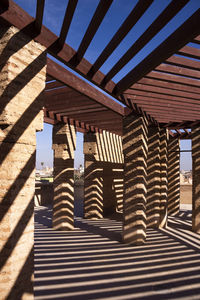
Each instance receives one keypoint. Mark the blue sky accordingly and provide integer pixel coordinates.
(119, 10)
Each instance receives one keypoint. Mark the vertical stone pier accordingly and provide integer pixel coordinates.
(103, 174)
(93, 182)
(196, 179)
(153, 178)
(163, 177)
(173, 176)
(64, 143)
(22, 80)
(135, 174)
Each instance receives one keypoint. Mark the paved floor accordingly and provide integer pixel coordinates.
(92, 263)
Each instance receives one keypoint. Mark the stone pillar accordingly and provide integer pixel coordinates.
(93, 182)
(196, 179)
(173, 176)
(22, 80)
(163, 177)
(135, 167)
(64, 143)
(153, 178)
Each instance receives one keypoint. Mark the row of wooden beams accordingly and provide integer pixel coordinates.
(95, 22)
(172, 78)
(149, 94)
(162, 90)
(15, 15)
(181, 125)
(153, 102)
(124, 29)
(170, 85)
(186, 72)
(184, 34)
(66, 77)
(183, 62)
(170, 11)
(56, 118)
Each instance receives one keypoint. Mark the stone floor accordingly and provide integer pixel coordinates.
(92, 263)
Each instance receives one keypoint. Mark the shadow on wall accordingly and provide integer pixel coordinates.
(19, 122)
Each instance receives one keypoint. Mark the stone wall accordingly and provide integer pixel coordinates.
(22, 81)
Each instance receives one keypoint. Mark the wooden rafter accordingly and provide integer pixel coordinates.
(184, 34)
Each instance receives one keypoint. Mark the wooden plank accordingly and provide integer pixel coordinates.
(163, 102)
(169, 12)
(184, 34)
(165, 68)
(74, 108)
(159, 96)
(97, 18)
(170, 85)
(83, 111)
(183, 62)
(172, 78)
(190, 52)
(162, 90)
(172, 111)
(67, 21)
(66, 77)
(124, 29)
(197, 40)
(53, 85)
(39, 14)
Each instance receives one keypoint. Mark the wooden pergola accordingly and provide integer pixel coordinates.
(131, 162)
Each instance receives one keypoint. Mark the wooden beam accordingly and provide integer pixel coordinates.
(190, 52)
(97, 18)
(150, 95)
(197, 40)
(163, 103)
(39, 14)
(162, 90)
(67, 21)
(172, 78)
(169, 12)
(184, 34)
(74, 82)
(170, 85)
(124, 29)
(183, 62)
(165, 68)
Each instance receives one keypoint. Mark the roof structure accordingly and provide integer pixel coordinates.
(164, 85)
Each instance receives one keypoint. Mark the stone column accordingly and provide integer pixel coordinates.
(135, 167)
(163, 177)
(93, 182)
(153, 178)
(173, 176)
(196, 179)
(22, 80)
(64, 143)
